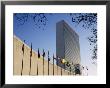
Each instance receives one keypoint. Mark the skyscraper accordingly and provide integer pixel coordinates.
(67, 44)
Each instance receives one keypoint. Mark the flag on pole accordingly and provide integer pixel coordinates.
(63, 61)
(53, 56)
(57, 63)
(83, 67)
(38, 53)
(48, 62)
(86, 67)
(23, 47)
(30, 58)
(67, 64)
(31, 51)
(43, 53)
(56, 58)
(48, 56)
(22, 58)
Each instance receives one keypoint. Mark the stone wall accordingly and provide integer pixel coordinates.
(36, 63)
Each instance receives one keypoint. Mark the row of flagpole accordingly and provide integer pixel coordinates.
(63, 61)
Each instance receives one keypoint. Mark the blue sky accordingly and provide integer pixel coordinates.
(46, 39)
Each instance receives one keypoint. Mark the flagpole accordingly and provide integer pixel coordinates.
(38, 58)
(22, 67)
(22, 58)
(48, 62)
(61, 71)
(70, 70)
(30, 66)
(43, 61)
(57, 64)
(37, 68)
(64, 67)
(57, 69)
(53, 64)
(43, 65)
(30, 58)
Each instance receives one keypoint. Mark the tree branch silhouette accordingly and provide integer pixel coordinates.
(40, 19)
(88, 21)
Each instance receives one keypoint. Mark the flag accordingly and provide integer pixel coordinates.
(70, 69)
(43, 53)
(54, 57)
(67, 64)
(48, 62)
(63, 61)
(48, 56)
(38, 53)
(31, 51)
(23, 54)
(57, 59)
(83, 67)
(86, 67)
(23, 47)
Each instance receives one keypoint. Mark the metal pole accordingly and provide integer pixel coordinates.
(53, 66)
(22, 67)
(48, 62)
(30, 58)
(48, 67)
(43, 60)
(70, 70)
(37, 68)
(22, 58)
(61, 71)
(57, 66)
(30, 66)
(43, 65)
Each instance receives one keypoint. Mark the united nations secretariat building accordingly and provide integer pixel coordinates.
(67, 45)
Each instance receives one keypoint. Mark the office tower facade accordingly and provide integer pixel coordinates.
(67, 44)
